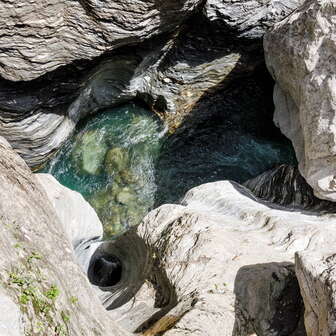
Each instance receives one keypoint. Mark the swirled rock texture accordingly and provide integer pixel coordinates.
(38, 37)
(223, 263)
(299, 54)
(315, 271)
(172, 75)
(37, 267)
(285, 186)
(249, 19)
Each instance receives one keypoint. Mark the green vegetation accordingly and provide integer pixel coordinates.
(37, 297)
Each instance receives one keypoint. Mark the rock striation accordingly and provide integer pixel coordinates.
(175, 74)
(37, 38)
(304, 92)
(285, 186)
(223, 261)
(315, 271)
(37, 268)
(249, 19)
(171, 74)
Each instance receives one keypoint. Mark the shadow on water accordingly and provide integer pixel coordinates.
(236, 139)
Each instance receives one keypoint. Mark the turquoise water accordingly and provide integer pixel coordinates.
(111, 162)
(124, 163)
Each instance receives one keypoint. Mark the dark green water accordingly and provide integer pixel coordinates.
(123, 164)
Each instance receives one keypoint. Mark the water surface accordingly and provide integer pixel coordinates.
(124, 163)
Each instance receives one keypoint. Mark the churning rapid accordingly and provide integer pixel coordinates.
(125, 163)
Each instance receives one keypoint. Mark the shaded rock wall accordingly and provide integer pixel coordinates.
(285, 186)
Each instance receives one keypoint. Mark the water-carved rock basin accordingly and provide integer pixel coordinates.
(110, 161)
(125, 163)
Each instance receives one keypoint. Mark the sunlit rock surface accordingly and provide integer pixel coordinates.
(38, 37)
(305, 91)
(203, 252)
(37, 266)
(316, 274)
(224, 261)
(221, 262)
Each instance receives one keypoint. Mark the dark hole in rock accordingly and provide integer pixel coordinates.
(105, 271)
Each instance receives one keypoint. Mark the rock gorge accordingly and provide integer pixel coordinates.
(237, 235)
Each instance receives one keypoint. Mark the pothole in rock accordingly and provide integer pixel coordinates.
(124, 163)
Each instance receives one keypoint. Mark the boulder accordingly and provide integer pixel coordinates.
(89, 153)
(221, 262)
(298, 53)
(37, 38)
(116, 161)
(316, 275)
(38, 269)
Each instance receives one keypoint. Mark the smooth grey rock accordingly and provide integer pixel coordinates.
(252, 18)
(38, 37)
(37, 258)
(299, 53)
(79, 221)
(10, 318)
(222, 261)
(268, 300)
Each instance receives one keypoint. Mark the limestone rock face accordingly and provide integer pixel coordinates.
(37, 268)
(316, 274)
(223, 261)
(299, 56)
(79, 220)
(38, 37)
(250, 18)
